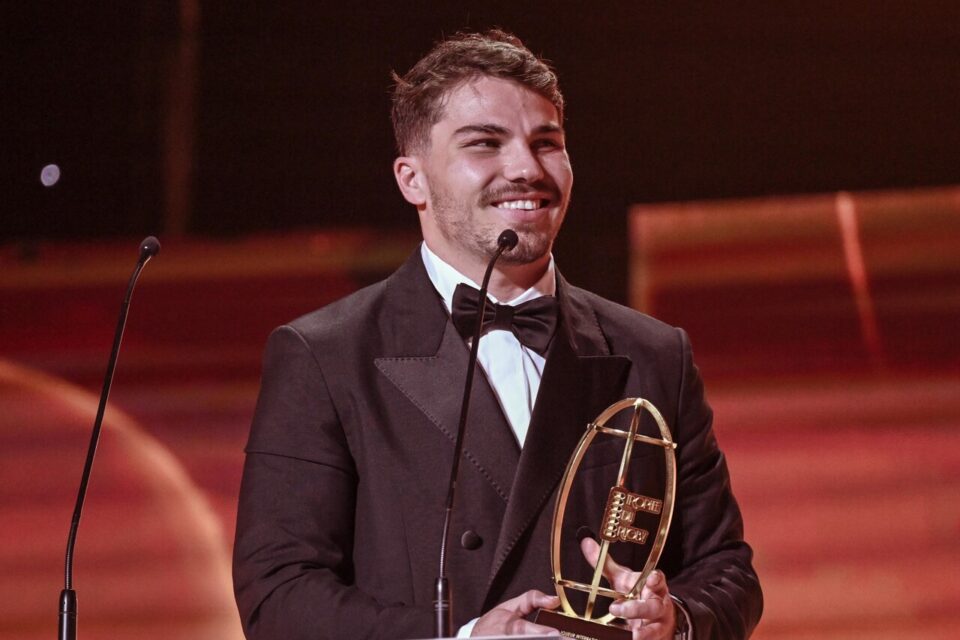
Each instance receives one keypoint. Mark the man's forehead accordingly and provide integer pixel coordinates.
(487, 101)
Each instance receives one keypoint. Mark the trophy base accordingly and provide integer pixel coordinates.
(581, 629)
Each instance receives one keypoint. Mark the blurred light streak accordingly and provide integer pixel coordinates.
(857, 271)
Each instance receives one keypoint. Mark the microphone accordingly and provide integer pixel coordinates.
(68, 597)
(443, 612)
(149, 248)
(506, 241)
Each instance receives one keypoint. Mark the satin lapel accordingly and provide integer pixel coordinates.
(580, 379)
(433, 381)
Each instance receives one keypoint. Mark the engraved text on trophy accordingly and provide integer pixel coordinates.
(622, 507)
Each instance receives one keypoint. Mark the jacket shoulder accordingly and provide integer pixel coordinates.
(400, 315)
(623, 325)
(342, 318)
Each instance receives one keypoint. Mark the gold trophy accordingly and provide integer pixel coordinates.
(628, 511)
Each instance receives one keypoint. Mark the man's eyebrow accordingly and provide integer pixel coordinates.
(497, 130)
(490, 129)
(549, 128)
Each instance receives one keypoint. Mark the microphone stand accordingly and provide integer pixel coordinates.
(68, 597)
(443, 613)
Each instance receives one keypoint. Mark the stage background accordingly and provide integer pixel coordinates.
(776, 178)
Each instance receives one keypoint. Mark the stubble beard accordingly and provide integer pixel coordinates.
(457, 222)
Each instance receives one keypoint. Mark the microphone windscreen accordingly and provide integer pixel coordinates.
(149, 247)
(508, 239)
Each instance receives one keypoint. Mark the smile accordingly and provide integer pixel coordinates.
(524, 205)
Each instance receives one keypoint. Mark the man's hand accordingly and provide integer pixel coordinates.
(507, 618)
(650, 617)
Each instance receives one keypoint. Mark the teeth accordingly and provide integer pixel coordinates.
(528, 205)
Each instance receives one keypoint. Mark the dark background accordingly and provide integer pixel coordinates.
(666, 101)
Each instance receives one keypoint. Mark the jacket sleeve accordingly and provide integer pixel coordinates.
(292, 564)
(712, 566)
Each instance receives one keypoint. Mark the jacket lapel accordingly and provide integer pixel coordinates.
(429, 367)
(580, 379)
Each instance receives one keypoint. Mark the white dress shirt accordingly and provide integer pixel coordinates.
(513, 370)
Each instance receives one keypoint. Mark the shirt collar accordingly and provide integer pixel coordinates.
(445, 279)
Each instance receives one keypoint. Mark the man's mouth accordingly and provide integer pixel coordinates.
(523, 205)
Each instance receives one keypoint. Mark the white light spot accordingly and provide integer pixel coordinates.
(49, 175)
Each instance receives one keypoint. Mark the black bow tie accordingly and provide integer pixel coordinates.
(532, 322)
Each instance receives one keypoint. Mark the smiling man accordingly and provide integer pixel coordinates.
(343, 491)
(495, 160)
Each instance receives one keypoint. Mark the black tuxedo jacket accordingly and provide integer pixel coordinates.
(349, 455)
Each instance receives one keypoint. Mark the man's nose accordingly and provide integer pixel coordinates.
(522, 165)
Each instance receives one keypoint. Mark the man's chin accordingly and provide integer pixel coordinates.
(533, 246)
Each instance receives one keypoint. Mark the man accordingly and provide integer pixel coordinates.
(347, 463)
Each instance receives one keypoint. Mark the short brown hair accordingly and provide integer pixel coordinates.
(418, 95)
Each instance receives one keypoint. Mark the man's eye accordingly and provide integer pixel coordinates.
(489, 143)
(547, 143)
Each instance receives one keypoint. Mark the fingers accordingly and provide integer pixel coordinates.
(620, 578)
(649, 616)
(529, 601)
(500, 622)
(523, 627)
(655, 586)
(653, 608)
(652, 615)
(652, 631)
(507, 618)
(506, 624)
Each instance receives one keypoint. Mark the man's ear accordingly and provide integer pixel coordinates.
(410, 179)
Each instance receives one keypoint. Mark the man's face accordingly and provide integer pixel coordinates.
(497, 160)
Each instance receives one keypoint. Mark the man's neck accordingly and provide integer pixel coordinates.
(507, 280)
(510, 280)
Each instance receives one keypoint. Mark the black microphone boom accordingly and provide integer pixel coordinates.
(68, 597)
(443, 611)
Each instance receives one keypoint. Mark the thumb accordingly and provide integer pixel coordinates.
(529, 601)
(620, 578)
(591, 550)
